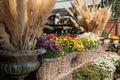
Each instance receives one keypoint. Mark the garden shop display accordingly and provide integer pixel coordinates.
(21, 23)
(69, 44)
(99, 69)
(57, 47)
(64, 53)
(91, 19)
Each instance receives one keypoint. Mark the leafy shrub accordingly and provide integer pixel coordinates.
(112, 48)
(104, 34)
(89, 72)
(115, 7)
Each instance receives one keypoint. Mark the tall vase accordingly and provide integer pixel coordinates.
(18, 64)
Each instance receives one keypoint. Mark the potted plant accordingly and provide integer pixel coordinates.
(52, 58)
(21, 23)
(89, 72)
(115, 39)
(105, 37)
(89, 19)
(71, 47)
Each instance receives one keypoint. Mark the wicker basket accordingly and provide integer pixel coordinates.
(49, 69)
(95, 52)
(65, 64)
(82, 57)
(89, 54)
(74, 59)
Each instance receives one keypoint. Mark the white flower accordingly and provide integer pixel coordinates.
(91, 35)
(107, 62)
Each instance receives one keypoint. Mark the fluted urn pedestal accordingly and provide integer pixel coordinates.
(18, 64)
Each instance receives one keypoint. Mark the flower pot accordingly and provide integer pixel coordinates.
(18, 64)
(106, 41)
(115, 41)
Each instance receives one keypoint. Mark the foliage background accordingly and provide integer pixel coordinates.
(115, 7)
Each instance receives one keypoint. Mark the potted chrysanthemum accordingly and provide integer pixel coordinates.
(52, 58)
(21, 23)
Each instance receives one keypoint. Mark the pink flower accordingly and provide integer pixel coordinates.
(51, 35)
(72, 35)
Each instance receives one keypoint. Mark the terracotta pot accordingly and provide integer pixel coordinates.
(18, 64)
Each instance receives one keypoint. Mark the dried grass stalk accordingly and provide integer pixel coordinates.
(91, 19)
(23, 21)
(5, 43)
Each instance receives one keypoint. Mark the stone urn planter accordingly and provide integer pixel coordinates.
(18, 64)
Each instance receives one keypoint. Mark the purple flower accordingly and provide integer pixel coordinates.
(51, 44)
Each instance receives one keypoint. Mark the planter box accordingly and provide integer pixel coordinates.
(51, 68)
(87, 55)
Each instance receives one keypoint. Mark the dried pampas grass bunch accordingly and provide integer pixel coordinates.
(91, 19)
(21, 22)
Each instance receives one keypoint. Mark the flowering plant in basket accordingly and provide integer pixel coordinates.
(78, 45)
(108, 62)
(91, 35)
(87, 42)
(53, 48)
(70, 44)
(66, 42)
